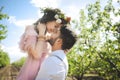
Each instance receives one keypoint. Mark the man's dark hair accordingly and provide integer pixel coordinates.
(68, 37)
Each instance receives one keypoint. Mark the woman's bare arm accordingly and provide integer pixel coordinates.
(39, 47)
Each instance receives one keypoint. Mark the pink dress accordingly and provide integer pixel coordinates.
(31, 67)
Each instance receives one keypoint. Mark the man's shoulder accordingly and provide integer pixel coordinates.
(53, 59)
(57, 57)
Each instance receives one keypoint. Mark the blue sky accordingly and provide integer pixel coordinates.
(24, 12)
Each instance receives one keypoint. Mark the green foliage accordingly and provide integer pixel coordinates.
(4, 59)
(98, 47)
(3, 16)
(3, 32)
(3, 29)
(18, 64)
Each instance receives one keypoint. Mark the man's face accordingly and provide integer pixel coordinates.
(52, 31)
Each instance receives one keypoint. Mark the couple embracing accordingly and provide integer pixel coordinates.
(47, 42)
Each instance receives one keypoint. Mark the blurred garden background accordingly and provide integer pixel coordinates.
(95, 56)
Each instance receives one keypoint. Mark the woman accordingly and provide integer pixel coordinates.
(34, 44)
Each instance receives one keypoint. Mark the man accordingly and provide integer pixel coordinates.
(55, 67)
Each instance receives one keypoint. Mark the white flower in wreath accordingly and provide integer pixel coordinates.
(59, 21)
(56, 16)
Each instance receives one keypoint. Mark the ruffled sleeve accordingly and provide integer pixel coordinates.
(28, 39)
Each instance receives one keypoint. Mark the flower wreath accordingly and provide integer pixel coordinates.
(58, 18)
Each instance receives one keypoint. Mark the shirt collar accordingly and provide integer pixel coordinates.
(59, 53)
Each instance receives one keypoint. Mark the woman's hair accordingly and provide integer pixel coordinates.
(50, 14)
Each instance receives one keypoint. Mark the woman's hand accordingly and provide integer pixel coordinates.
(41, 28)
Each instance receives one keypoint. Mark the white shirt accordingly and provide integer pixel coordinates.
(55, 67)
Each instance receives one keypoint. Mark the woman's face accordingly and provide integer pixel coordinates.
(52, 26)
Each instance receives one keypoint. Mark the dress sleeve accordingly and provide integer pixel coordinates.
(28, 39)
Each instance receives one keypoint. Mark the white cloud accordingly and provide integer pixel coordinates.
(70, 8)
(12, 19)
(39, 14)
(21, 23)
(14, 53)
(45, 3)
(72, 11)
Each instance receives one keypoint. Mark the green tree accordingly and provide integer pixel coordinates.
(18, 64)
(98, 47)
(4, 58)
(3, 28)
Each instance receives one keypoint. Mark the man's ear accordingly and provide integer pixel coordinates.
(59, 41)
